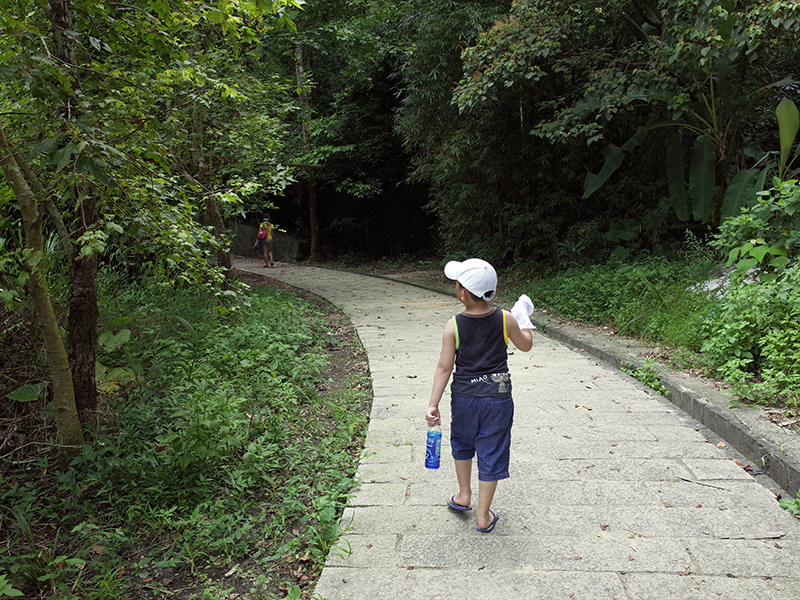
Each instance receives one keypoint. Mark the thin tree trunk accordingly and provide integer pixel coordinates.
(52, 209)
(68, 425)
(63, 21)
(315, 226)
(83, 315)
(212, 206)
(215, 216)
(316, 251)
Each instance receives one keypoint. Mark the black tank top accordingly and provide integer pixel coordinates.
(481, 356)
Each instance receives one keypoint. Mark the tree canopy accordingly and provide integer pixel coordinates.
(135, 134)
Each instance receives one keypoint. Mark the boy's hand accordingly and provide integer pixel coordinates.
(433, 417)
(521, 310)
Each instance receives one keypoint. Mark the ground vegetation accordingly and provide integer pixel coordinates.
(221, 454)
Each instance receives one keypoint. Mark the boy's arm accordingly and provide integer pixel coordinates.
(522, 338)
(444, 368)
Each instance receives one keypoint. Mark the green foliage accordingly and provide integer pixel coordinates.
(647, 374)
(753, 340)
(764, 237)
(651, 298)
(571, 75)
(792, 505)
(8, 590)
(151, 120)
(789, 124)
(214, 453)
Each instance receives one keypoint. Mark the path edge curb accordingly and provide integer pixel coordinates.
(770, 459)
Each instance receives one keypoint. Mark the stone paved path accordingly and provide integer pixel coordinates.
(614, 493)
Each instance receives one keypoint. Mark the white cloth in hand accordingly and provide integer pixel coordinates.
(521, 309)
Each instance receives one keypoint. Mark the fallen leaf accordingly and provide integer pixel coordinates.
(721, 445)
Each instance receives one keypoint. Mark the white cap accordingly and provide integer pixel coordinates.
(474, 275)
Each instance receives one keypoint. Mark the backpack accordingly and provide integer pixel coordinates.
(262, 234)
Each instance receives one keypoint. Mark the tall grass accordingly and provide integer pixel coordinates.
(654, 298)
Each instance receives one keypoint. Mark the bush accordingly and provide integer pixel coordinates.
(753, 339)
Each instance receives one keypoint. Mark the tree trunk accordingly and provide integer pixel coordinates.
(314, 223)
(215, 216)
(83, 314)
(316, 252)
(212, 207)
(63, 22)
(52, 209)
(68, 425)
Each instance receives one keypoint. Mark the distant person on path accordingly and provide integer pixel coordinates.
(475, 342)
(264, 239)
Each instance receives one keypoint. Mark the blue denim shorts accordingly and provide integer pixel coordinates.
(482, 426)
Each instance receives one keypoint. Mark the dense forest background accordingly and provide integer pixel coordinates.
(397, 127)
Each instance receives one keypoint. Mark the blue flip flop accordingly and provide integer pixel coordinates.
(455, 505)
(491, 525)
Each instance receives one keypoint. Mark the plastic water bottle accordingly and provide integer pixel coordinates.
(433, 448)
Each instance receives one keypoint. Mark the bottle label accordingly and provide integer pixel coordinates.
(433, 449)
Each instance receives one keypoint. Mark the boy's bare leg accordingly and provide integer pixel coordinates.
(264, 253)
(486, 491)
(464, 474)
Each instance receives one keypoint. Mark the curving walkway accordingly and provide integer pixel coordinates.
(614, 493)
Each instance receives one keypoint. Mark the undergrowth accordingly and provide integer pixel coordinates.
(218, 451)
(651, 298)
(745, 333)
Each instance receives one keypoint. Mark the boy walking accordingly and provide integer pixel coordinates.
(482, 409)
